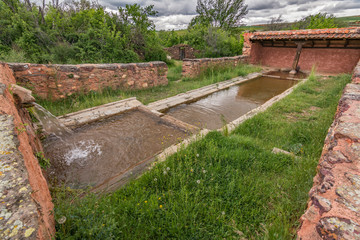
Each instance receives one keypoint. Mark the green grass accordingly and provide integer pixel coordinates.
(175, 71)
(83, 101)
(221, 187)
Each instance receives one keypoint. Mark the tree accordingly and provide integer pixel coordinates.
(275, 23)
(220, 13)
(317, 21)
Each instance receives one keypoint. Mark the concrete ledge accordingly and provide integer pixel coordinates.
(99, 112)
(334, 207)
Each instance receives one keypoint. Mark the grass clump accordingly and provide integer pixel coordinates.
(92, 99)
(221, 187)
(175, 70)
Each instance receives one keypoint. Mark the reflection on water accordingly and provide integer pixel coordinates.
(100, 150)
(222, 107)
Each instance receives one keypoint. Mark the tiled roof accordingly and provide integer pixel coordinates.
(331, 33)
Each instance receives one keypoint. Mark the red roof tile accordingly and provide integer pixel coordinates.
(331, 33)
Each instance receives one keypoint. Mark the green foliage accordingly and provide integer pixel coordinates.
(214, 42)
(77, 32)
(221, 187)
(224, 14)
(43, 161)
(317, 21)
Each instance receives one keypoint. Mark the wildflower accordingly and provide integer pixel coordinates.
(222, 213)
(159, 198)
(160, 206)
(168, 168)
(62, 220)
(198, 181)
(204, 171)
(165, 172)
(197, 155)
(155, 179)
(145, 201)
(191, 170)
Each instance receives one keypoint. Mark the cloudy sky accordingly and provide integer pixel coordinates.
(176, 14)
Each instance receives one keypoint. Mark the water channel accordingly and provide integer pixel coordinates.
(93, 153)
(222, 107)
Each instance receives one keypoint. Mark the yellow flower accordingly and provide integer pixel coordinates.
(161, 206)
(159, 198)
(145, 202)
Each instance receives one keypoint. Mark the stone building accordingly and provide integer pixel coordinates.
(181, 51)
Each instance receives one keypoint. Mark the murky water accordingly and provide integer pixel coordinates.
(101, 150)
(222, 107)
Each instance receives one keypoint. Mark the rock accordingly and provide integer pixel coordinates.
(310, 214)
(293, 72)
(350, 195)
(22, 95)
(278, 150)
(348, 129)
(2, 88)
(323, 203)
(338, 228)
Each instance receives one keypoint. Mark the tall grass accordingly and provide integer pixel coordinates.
(175, 71)
(82, 101)
(222, 187)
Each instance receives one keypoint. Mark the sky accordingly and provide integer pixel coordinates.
(176, 14)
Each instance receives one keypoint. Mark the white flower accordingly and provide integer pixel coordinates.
(155, 179)
(197, 155)
(168, 168)
(223, 213)
(198, 181)
(62, 220)
(165, 172)
(204, 171)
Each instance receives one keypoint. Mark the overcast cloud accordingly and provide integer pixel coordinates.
(176, 14)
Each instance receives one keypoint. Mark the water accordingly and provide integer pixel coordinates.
(222, 107)
(51, 125)
(104, 149)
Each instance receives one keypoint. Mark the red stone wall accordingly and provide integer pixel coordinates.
(25, 170)
(326, 60)
(59, 81)
(193, 67)
(334, 207)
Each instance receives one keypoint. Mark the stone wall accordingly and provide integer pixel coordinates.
(330, 50)
(334, 207)
(25, 207)
(60, 81)
(175, 52)
(193, 67)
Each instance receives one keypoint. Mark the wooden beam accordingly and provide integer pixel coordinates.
(297, 56)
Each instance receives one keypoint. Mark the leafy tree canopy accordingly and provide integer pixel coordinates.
(224, 14)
